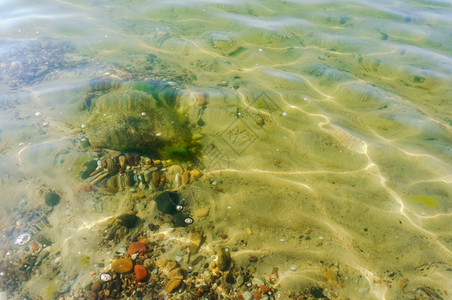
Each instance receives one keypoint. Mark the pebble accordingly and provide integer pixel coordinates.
(175, 277)
(247, 296)
(155, 180)
(195, 173)
(52, 198)
(330, 276)
(127, 220)
(96, 286)
(105, 277)
(147, 263)
(195, 242)
(257, 281)
(122, 250)
(122, 265)
(172, 285)
(201, 212)
(177, 181)
(140, 273)
(224, 260)
(137, 247)
(240, 280)
(138, 196)
(185, 178)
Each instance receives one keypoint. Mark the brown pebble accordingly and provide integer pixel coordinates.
(155, 179)
(171, 285)
(122, 162)
(122, 265)
(330, 276)
(137, 247)
(138, 196)
(185, 178)
(171, 265)
(195, 173)
(144, 241)
(175, 274)
(96, 286)
(195, 242)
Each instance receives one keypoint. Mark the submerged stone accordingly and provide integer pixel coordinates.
(138, 116)
(182, 220)
(224, 260)
(127, 220)
(88, 168)
(52, 198)
(167, 202)
(122, 265)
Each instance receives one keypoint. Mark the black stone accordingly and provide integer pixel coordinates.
(180, 220)
(317, 293)
(153, 227)
(52, 198)
(127, 220)
(230, 278)
(167, 202)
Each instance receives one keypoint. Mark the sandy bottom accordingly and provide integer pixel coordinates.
(302, 206)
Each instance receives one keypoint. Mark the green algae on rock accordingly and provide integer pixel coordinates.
(52, 198)
(137, 116)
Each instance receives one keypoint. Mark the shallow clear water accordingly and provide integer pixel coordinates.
(326, 141)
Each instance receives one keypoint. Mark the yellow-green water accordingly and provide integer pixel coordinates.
(326, 119)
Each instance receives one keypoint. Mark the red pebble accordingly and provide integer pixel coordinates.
(137, 247)
(140, 273)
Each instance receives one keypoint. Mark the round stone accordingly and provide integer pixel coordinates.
(122, 265)
(105, 277)
(52, 198)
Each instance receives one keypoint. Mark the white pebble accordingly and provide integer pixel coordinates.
(22, 239)
(105, 277)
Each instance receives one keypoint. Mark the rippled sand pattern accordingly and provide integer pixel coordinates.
(328, 131)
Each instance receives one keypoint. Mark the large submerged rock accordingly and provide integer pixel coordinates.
(137, 116)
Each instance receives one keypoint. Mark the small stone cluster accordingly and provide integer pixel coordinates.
(140, 271)
(117, 171)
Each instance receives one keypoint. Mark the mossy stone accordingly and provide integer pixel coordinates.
(224, 260)
(52, 198)
(136, 117)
